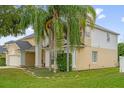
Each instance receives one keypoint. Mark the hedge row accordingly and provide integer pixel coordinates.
(2, 62)
(62, 63)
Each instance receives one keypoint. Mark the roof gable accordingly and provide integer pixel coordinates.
(23, 45)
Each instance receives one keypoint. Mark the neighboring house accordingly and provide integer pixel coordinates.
(18, 55)
(2, 56)
(99, 50)
(2, 50)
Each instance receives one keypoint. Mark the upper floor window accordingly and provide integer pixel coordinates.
(108, 36)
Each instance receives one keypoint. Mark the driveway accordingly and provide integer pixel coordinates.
(4, 67)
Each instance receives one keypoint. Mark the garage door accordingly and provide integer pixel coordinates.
(14, 60)
(30, 58)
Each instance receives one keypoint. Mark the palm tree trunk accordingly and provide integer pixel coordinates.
(54, 41)
(55, 57)
(50, 67)
(83, 35)
(50, 46)
(68, 48)
(67, 57)
(37, 43)
(54, 52)
(38, 55)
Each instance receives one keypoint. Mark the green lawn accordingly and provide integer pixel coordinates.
(94, 78)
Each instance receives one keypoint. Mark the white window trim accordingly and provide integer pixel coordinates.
(94, 62)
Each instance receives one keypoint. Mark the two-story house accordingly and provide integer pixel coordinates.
(99, 51)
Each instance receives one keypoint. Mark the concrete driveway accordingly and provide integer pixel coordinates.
(4, 67)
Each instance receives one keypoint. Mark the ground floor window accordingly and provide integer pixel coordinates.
(94, 56)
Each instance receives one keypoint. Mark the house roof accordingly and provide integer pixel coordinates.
(29, 36)
(23, 45)
(105, 29)
(9, 42)
(2, 49)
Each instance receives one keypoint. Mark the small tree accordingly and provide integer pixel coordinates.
(121, 49)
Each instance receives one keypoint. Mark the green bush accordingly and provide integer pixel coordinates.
(62, 63)
(2, 62)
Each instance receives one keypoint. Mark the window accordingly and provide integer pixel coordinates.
(108, 37)
(94, 56)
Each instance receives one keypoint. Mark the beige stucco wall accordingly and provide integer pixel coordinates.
(106, 58)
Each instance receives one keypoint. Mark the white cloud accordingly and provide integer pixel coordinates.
(101, 16)
(122, 19)
(99, 13)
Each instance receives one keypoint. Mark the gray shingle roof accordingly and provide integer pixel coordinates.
(103, 29)
(23, 45)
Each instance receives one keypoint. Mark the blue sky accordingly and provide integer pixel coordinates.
(108, 16)
(111, 17)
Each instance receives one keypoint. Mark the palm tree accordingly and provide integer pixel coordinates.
(76, 17)
(43, 22)
(35, 16)
(54, 27)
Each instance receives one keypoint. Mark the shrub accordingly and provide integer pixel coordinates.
(2, 62)
(62, 63)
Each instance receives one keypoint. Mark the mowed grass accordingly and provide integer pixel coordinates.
(17, 78)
